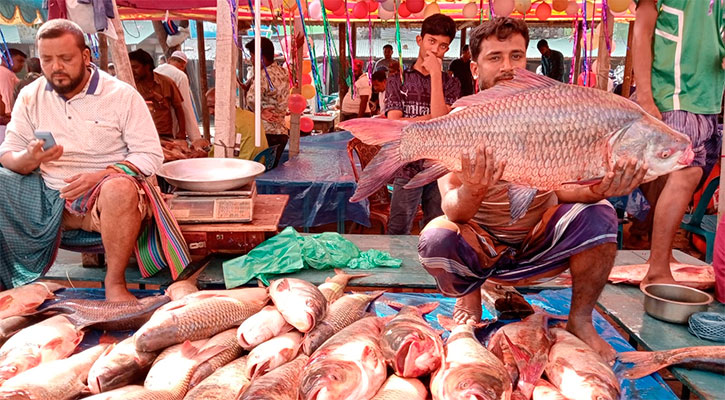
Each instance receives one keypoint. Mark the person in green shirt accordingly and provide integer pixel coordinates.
(678, 63)
(244, 125)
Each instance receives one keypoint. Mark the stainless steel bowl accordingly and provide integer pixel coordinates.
(210, 174)
(674, 303)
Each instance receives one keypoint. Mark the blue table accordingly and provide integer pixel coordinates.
(319, 182)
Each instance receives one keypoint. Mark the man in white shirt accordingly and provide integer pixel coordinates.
(100, 125)
(357, 106)
(174, 69)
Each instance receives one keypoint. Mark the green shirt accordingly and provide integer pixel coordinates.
(688, 50)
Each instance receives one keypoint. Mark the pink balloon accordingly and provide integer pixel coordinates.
(415, 6)
(543, 11)
(315, 10)
(361, 10)
(306, 124)
(403, 10)
(296, 103)
(333, 5)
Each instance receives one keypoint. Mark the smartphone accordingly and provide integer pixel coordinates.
(47, 137)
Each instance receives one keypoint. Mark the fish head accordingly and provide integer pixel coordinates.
(471, 382)
(651, 141)
(414, 353)
(330, 379)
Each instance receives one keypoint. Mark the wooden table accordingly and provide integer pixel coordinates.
(237, 238)
(625, 305)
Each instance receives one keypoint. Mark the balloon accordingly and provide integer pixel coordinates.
(308, 91)
(306, 124)
(591, 79)
(572, 8)
(470, 10)
(384, 14)
(340, 12)
(403, 10)
(388, 5)
(306, 67)
(296, 103)
(543, 11)
(315, 10)
(333, 5)
(372, 5)
(503, 8)
(522, 6)
(306, 79)
(290, 4)
(618, 5)
(415, 6)
(431, 9)
(559, 5)
(361, 10)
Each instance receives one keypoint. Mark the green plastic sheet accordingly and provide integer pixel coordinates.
(290, 252)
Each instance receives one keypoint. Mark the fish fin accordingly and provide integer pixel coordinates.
(523, 81)
(375, 131)
(374, 295)
(645, 363)
(259, 369)
(530, 368)
(339, 271)
(54, 343)
(188, 350)
(394, 304)
(380, 170)
(5, 302)
(520, 198)
(428, 175)
(427, 307)
(205, 354)
(585, 182)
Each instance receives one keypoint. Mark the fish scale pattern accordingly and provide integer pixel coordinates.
(547, 137)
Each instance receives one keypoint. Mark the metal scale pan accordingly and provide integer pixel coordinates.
(210, 174)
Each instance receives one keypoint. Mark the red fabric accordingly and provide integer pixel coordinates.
(56, 9)
(718, 262)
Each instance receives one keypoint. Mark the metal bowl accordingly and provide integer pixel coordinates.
(210, 174)
(674, 303)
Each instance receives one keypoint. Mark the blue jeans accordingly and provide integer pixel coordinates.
(404, 204)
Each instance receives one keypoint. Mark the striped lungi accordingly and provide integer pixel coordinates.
(462, 256)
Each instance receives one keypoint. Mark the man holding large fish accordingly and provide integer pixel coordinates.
(525, 166)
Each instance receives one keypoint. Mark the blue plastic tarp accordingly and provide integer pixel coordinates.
(319, 181)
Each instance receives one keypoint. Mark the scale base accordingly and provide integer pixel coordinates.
(214, 207)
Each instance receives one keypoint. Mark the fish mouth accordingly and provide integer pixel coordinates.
(687, 156)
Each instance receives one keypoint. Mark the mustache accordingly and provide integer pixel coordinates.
(59, 74)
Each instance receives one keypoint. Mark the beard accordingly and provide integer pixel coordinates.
(73, 81)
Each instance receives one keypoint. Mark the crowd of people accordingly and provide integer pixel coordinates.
(467, 236)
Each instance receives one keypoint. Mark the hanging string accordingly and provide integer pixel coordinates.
(264, 63)
(286, 45)
(313, 57)
(350, 77)
(397, 39)
(233, 18)
(573, 58)
(93, 45)
(480, 12)
(5, 52)
(370, 47)
(331, 49)
(605, 21)
(591, 36)
(491, 12)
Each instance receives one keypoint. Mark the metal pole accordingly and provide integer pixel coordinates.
(257, 76)
(627, 82)
(201, 51)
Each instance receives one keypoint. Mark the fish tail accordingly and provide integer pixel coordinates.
(530, 367)
(381, 169)
(645, 363)
(375, 131)
(339, 271)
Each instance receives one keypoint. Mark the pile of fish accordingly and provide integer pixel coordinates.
(293, 340)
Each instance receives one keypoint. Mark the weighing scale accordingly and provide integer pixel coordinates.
(194, 207)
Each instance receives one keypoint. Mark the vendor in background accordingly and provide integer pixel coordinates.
(34, 72)
(385, 63)
(8, 77)
(161, 94)
(244, 127)
(377, 100)
(275, 93)
(552, 61)
(461, 69)
(174, 70)
(357, 106)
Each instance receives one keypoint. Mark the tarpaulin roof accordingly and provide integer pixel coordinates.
(26, 12)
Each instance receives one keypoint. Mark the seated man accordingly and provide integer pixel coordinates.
(103, 132)
(474, 240)
(243, 130)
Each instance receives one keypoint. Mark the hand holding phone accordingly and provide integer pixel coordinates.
(47, 138)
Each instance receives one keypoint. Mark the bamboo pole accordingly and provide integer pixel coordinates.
(226, 85)
(294, 132)
(103, 53)
(603, 55)
(119, 51)
(342, 85)
(201, 51)
(578, 53)
(627, 81)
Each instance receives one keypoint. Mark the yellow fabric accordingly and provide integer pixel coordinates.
(244, 124)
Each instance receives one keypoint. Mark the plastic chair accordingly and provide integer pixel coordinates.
(269, 155)
(701, 224)
(380, 200)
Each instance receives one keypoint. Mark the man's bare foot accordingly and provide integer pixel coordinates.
(468, 308)
(653, 277)
(118, 293)
(584, 330)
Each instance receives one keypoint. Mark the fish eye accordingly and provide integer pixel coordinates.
(665, 154)
(462, 385)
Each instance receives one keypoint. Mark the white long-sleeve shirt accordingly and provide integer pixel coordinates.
(106, 123)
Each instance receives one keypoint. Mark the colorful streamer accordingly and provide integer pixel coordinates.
(313, 57)
(350, 77)
(605, 22)
(370, 47)
(585, 64)
(397, 39)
